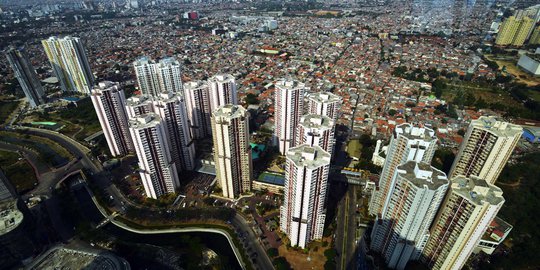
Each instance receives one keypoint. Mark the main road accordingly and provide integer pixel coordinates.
(346, 230)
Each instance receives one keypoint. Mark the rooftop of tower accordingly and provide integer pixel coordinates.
(10, 216)
(413, 132)
(311, 157)
(288, 83)
(497, 127)
(169, 61)
(169, 96)
(476, 190)
(324, 97)
(143, 60)
(230, 111)
(145, 121)
(221, 78)
(138, 100)
(106, 85)
(316, 121)
(193, 85)
(422, 174)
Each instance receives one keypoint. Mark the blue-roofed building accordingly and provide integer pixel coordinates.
(531, 134)
(272, 182)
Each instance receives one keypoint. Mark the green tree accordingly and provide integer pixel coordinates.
(272, 252)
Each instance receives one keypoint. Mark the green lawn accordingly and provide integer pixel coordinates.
(354, 148)
(49, 152)
(6, 108)
(19, 172)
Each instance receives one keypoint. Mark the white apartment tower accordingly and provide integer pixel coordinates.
(162, 77)
(70, 64)
(222, 89)
(401, 233)
(172, 110)
(407, 143)
(469, 207)
(109, 102)
(199, 111)
(315, 129)
(289, 107)
(486, 148)
(232, 153)
(139, 105)
(157, 170)
(303, 212)
(324, 103)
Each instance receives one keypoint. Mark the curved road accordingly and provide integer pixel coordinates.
(102, 179)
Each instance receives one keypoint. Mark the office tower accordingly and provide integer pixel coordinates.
(155, 78)
(402, 231)
(172, 110)
(199, 113)
(535, 36)
(469, 207)
(525, 29)
(26, 75)
(306, 180)
(158, 172)
(70, 64)
(289, 107)
(407, 143)
(315, 129)
(324, 103)
(486, 148)
(232, 153)
(222, 91)
(109, 102)
(7, 191)
(139, 105)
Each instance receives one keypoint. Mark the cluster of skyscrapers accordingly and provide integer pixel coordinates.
(161, 124)
(307, 141)
(520, 27)
(424, 215)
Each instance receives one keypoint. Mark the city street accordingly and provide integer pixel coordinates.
(346, 230)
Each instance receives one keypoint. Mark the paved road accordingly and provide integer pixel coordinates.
(346, 230)
(262, 260)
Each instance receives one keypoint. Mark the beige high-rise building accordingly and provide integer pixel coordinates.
(232, 153)
(199, 111)
(139, 105)
(324, 103)
(109, 102)
(289, 107)
(486, 148)
(400, 234)
(306, 182)
(161, 77)
(407, 143)
(157, 170)
(315, 129)
(70, 64)
(468, 209)
(222, 91)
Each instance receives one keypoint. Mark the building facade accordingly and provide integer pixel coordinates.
(69, 63)
(289, 107)
(303, 211)
(157, 170)
(324, 103)
(407, 143)
(486, 148)
(315, 129)
(401, 233)
(222, 89)
(469, 208)
(109, 102)
(139, 105)
(172, 110)
(161, 77)
(232, 153)
(199, 111)
(26, 76)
